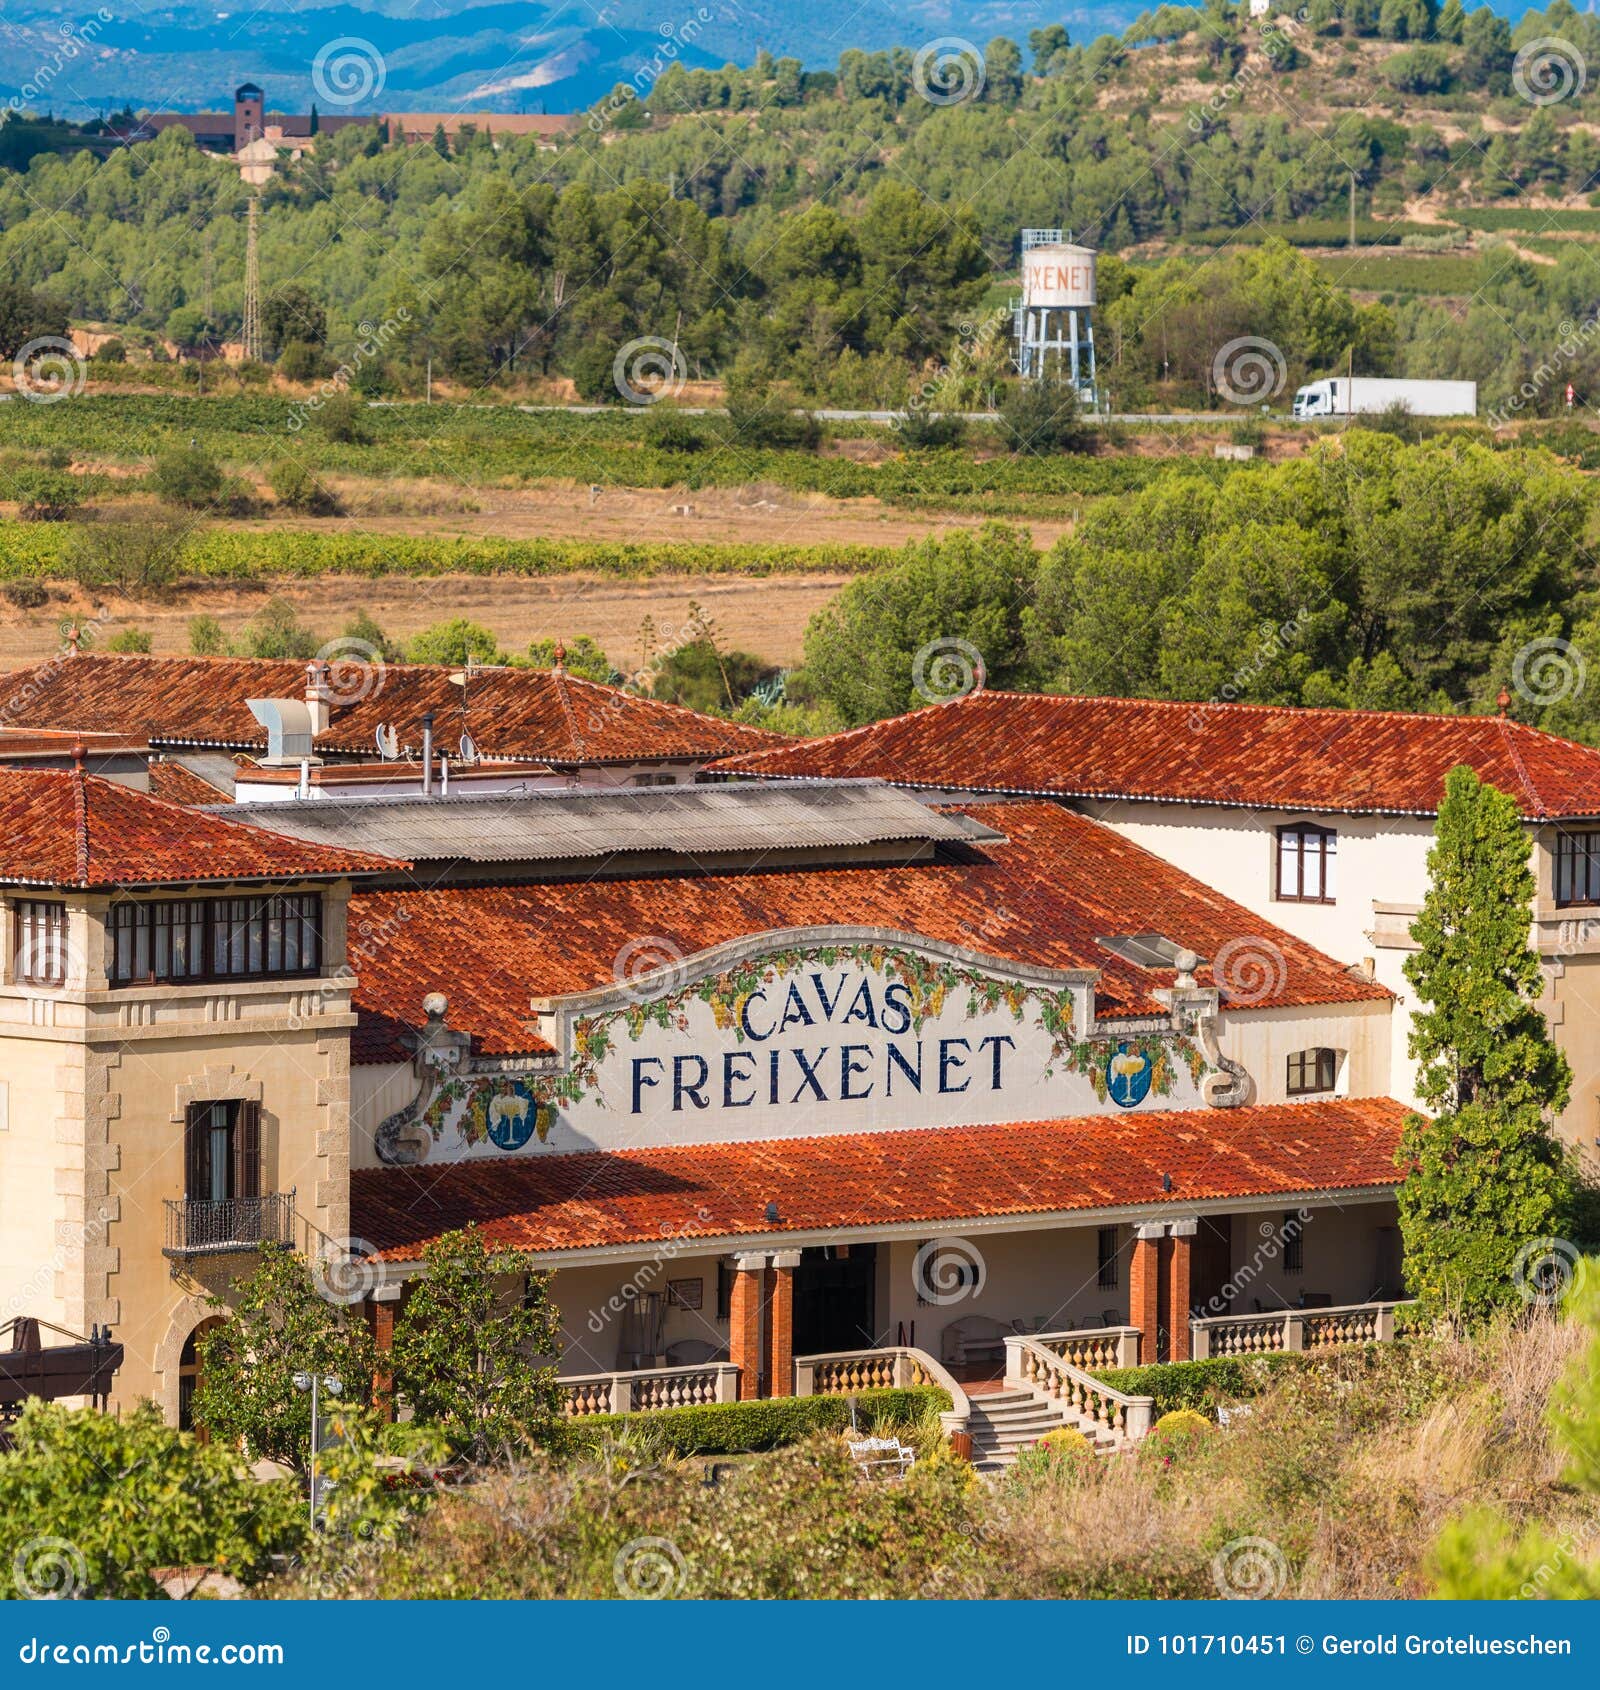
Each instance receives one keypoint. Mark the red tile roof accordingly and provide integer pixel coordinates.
(181, 785)
(59, 827)
(1358, 761)
(536, 713)
(1042, 897)
(933, 1176)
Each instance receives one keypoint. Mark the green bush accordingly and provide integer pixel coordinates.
(130, 642)
(736, 1428)
(189, 476)
(1200, 1384)
(45, 495)
(296, 488)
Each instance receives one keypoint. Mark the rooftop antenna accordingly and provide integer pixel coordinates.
(252, 284)
(388, 742)
(469, 749)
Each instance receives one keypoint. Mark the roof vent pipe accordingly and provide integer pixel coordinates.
(427, 754)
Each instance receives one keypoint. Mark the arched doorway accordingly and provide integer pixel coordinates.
(189, 1374)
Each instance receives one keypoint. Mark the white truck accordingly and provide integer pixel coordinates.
(1347, 396)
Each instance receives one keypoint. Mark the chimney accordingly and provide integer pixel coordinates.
(427, 754)
(319, 696)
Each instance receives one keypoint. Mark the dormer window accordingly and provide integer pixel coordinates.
(40, 955)
(1311, 1072)
(1307, 855)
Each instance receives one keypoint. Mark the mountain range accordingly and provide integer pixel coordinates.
(450, 55)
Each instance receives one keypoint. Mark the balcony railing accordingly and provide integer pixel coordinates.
(1281, 1330)
(197, 1227)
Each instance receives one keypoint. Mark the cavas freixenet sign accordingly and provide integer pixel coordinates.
(797, 1034)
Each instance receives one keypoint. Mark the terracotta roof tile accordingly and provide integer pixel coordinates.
(1043, 896)
(181, 785)
(1358, 761)
(525, 713)
(933, 1176)
(62, 828)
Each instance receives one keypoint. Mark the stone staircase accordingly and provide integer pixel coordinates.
(1003, 1422)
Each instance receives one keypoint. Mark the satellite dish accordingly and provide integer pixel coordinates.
(469, 751)
(388, 742)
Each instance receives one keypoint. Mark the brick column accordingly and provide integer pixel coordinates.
(1178, 1268)
(744, 1323)
(384, 1303)
(780, 1323)
(1144, 1289)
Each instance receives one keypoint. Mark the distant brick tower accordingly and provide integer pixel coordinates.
(249, 120)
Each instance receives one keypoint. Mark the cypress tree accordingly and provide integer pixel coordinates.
(1486, 1178)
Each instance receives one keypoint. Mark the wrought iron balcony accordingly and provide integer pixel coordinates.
(204, 1228)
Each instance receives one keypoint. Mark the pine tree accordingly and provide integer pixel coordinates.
(1486, 1176)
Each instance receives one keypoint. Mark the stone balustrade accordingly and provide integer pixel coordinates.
(1091, 1348)
(845, 1372)
(649, 1387)
(1281, 1330)
(1052, 1378)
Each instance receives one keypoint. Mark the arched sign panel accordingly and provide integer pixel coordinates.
(858, 1037)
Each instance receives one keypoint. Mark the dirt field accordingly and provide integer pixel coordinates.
(766, 616)
(758, 514)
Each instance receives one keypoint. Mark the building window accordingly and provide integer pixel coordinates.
(1578, 868)
(222, 1152)
(40, 957)
(1294, 1244)
(724, 1290)
(1312, 1071)
(215, 938)
(1306, 858)
(1108, 1258)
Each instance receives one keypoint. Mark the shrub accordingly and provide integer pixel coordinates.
(26, 595)
(90, 1503)
(1064, 1456)
(301, 361)
(339, 418)
(296, 488)
(736, 1428)
(1041, 416)
(454, 641)
(45, 495)
(206, 638)
(109, 352)
(130, 642)
(667, 429)
(134, 554)
(1200, 1384)
(186, 475)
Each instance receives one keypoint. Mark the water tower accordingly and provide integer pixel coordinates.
(1054, 322)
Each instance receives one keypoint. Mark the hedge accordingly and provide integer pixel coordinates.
(231, 554)
(1199, 1384)
(738, 1428)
